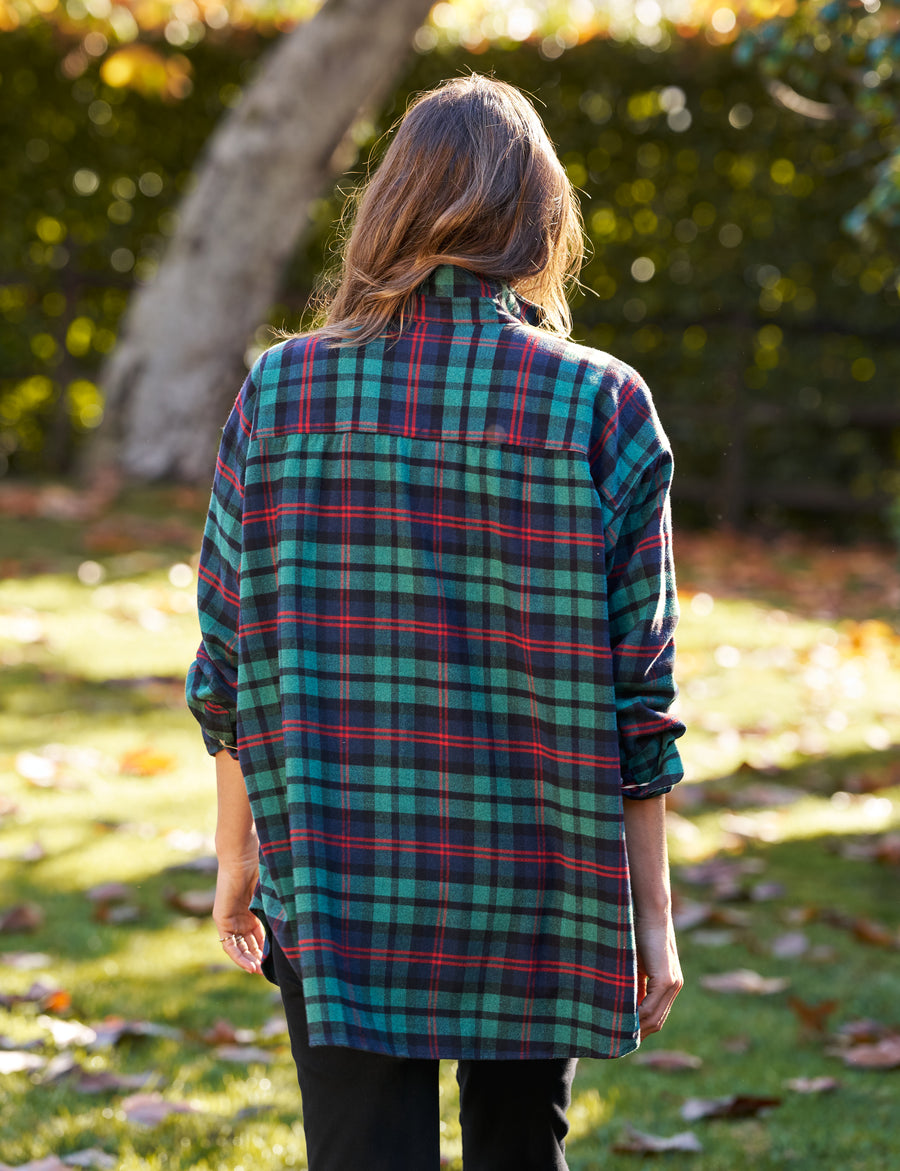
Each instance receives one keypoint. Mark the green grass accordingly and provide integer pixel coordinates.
(780, 689)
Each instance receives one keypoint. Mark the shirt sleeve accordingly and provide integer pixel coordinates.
(643, 612)
(211, 688)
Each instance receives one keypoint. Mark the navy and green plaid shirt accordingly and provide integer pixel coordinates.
(437, 606)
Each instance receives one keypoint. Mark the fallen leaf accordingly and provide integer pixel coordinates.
(884, 848)
(222, 1033)
(25, 961)
(790, 945)
(109, 892)
(116, 914)
(862, 929)
(91, 1157)
(37, 769)
(59, 1000)
(18, 1061)
(198, 903)
(738, 1044)
(863, 1031)
(764, 892)
(151, 1109)
(114, 1029)
(22, 917)
(113, 903)
(732, 1106)
(884, 1054)
(57, 1068)
(712, 937)
(246, 1053)
(812, 1085)
(146, 762)
(637, 1142)
(744, 980)
(275, 1026)
(812, 1017)
(65, 1033)
(868, 931)
(669, 1059)
(105, 1081)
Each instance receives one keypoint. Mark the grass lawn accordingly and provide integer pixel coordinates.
(785, 840)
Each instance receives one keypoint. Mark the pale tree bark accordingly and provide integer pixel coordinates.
(179, 361)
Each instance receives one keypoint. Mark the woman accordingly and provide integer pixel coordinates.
(437, 606)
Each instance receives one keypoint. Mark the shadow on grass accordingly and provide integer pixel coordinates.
(33, 691)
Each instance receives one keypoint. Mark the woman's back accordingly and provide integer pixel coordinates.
(429, 709)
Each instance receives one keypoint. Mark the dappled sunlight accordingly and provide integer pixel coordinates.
(785, 844)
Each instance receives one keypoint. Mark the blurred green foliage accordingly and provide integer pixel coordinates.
(842, 61)
(719, 265)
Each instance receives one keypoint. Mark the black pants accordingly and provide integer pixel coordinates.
(368, 1112)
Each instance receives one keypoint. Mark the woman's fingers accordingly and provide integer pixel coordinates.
(655, 1006)
(245, 950)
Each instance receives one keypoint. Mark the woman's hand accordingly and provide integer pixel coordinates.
(659, 973)
(240, 932)
(658, 970)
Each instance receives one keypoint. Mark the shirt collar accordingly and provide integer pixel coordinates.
(452, 293)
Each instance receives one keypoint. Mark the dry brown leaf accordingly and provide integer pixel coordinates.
(151, 1109)
(59, 1000)
(790, 945)
(862, 1032)
(812, 1085)
(22, 917)
(744, 980)
(884, 1054)
(109, 892)
(103, 1081)
(669, 1059)
(868, 931)
(114, 1028)
(198, 903)
(637, 1142)
(146, 762)
(51, 998)
(812, 1017)
(115, 914)
(222, 1033)
(732, 1106)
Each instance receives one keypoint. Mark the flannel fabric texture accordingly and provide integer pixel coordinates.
(437, 608)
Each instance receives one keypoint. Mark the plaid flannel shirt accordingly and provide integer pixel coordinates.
(437, 607)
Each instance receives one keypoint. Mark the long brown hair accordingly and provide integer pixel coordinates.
(472, 179)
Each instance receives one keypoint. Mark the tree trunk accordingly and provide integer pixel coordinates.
(179, 361)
